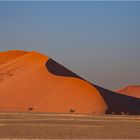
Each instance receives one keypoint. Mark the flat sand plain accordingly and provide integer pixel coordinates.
(19, 125)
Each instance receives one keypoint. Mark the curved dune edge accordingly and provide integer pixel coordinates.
(34, 82)
(27, 85)
(132, 90)
(7, 56)
(116, 102)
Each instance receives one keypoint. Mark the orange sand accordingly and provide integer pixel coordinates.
(131, 91)
(10, 55)
(26, 83)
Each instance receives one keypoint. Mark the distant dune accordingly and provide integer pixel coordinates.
(30, 81)
(133, 90)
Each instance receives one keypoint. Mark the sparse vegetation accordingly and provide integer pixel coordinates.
(93, 112)
(112, 113)
(30, 108)
(122, 113)
(11, 74)
(72, 110)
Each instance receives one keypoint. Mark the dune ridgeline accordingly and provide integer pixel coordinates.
(30, 81)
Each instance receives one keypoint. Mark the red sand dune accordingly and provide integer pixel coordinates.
(10, 55)
(133, 90)
(30, 81)
(26, 84)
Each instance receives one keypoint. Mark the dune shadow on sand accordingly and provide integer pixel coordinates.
(117, 103)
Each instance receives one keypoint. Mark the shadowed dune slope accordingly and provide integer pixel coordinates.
(31, 81)
(26, 84)
(116, 103)
(133, 90)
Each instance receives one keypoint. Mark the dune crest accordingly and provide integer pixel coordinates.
(10, 55)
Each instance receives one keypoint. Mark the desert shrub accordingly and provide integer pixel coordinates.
(30, 108)
(11, 74)
(93, 112)
(112, 113)
(122, 113)
(127, 113)
(72, 110)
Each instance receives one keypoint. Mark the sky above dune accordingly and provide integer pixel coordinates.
(100, 41)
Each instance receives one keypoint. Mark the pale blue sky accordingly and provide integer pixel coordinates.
(100, 41)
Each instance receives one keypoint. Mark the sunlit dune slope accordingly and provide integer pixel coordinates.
(133, 90)
(32, 81)
(10, 55)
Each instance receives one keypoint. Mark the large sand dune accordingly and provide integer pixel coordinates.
(30, 81)
(27, 84)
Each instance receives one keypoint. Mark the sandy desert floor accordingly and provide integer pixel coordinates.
(42, 126)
